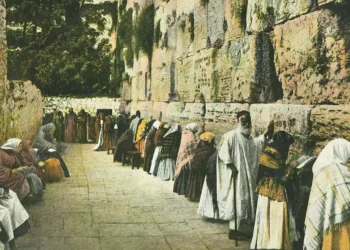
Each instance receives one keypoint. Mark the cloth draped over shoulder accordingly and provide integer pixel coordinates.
(270, 174)
(140, 129)
(171, 142)
(329, 202)
(43, 139)
(244, 154)
(125, 144)
(187, 150)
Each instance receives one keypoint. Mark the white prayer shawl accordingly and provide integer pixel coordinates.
(244, 154)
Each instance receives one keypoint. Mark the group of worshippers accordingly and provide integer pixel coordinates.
(25, 168)
(304, 204)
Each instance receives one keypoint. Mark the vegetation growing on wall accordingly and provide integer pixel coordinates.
(58, 45)
(204, 2)
(239, 10)
(157, 34)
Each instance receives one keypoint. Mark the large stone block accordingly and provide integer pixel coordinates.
(243, 71)
(24, 110)
(263, 15)
(323, 2)
(329, 122)
(216, 17)
(311, 57)
(200, 25)
(294, 119)
(235, 17)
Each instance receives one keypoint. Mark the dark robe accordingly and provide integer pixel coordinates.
(108, 127)
(58, 134)
(125, 144)
(122, 126)
(70, 134)
(91, 128)
(82, 127)
(198, 170)
(149, 150)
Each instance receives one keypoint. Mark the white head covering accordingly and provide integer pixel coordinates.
(11, 144)
(336, 151)
(156, 124)
(193, 127)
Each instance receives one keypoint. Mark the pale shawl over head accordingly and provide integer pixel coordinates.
(187, 147)
(336, 151)
(12, 143)
(329, 202)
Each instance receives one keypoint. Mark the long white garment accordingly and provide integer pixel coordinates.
(6, 222)
(155, 160)
(166, 169)
(18, 214)
(100, 137)
(270, 230)
(244, 154)
(205, 208)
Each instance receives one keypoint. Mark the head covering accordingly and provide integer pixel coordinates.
(156, 124)
(48, 128)
(336, 151)
(193, 127)
(187, 150)
(11, 144)
(207, 136)
(27, 157)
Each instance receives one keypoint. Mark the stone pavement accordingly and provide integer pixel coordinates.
(107, 206)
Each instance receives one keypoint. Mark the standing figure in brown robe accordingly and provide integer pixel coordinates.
(91, 130)
(108, 130)
(82, 126)
(70, 120)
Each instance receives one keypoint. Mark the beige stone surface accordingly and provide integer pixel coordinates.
(235, 16)
(108, 206)
(329, 122)
(311, 58)
(263, 15)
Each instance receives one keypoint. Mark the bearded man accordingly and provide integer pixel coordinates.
(237, 166)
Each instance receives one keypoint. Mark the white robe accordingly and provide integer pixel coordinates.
(244, 154)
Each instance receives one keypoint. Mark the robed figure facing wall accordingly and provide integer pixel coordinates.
(70, 133)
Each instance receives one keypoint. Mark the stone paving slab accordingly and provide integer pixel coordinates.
(110, 207)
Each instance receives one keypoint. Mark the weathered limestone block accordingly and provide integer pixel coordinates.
(329, 122)
(323, 2)
(294, 119)
(235, 17)
(160, 110)
(216, 17)
(185, 26)
(244, 71)
(24, 110)
(126, 91)
(224, 112)
(263, 15)
(311, 57)
(200, 26)
(185, 79)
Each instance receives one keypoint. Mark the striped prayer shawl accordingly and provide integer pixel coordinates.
(329, 203)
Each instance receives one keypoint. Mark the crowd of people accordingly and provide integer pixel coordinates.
(274, 204)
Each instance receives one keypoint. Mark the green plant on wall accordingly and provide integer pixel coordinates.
(157, 34)
(239, 10)
(191, 30)
(144, 33)
(204, 2)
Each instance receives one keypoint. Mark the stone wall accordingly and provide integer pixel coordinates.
(20, 102)
(282, 60)
(89, 104)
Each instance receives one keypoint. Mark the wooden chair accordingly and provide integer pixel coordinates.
(134, 157)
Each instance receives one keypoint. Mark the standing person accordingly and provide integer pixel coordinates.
(99, 128)
(187, 150)
(58, 121)
(237, 166)
(120, 127)
(70, 126)
(150, 147)
(158, 142)
(205, 149)
(82, 126)
(91, 130)
(327, 224)
(108, 127)
(275, 226)
(134, 124)
(168, 153)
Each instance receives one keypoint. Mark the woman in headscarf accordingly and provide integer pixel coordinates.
(205, 149)
(150, 146)
(9, 177)
(274, 221)
(139, 140)
(28, 170)
(168, 153)
(158, 142)
(187, 149)
(99, 127)
(47, 147)
(125, 144)
(327, 224)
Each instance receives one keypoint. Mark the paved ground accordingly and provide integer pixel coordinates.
(107, 206)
